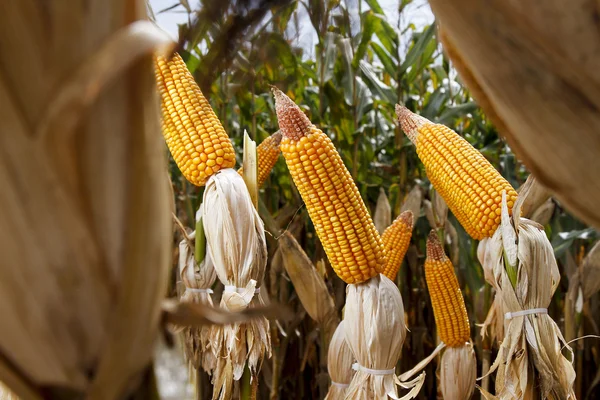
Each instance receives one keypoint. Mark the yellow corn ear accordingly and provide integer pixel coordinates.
(194, 134)
(468, 183)
(396, 239)
(267, 153)
(448, 304)
(340, 217)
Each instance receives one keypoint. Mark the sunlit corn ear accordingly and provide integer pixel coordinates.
(334, 204)
(235, 239)
(530, 356)
(451, 318)
(469, 184)
(309, 285)
(195, 137)
(396, 239)
(458, 365)
(267, 153)
(375, 331)
(339, 364)
(197, 279)
(382, 217)
(458, 372)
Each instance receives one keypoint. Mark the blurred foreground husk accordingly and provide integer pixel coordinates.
(82, 166)
(535, 75)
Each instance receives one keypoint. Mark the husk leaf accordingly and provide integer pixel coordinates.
(235, 239)
(375, 331)
(339, 364)
(382, 217)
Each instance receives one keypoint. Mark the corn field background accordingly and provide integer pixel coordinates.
(364, 61)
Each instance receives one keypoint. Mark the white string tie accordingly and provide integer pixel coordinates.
(514, 314)
(194, 290)
(340, 385)
(358, 367)
(232, 289)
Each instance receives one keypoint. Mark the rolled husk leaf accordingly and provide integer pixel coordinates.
(382, 217)
(309, 285)
(197, 280)
(458, 372)
(339, 364)
(525, 276)
(413, 201)
(235, 239)
(85, 202)
(375, 331)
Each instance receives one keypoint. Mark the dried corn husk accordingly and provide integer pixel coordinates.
(6, 393)
(458, 372)
(382, 217)
(235, 239)
(590, 270)
(543, 213)
(536, 76)
(84, 206)
(375, 331)
(436, 211)
(309, 285)
(525, 275)
(339, 364)
(412, 202)
(197, 280)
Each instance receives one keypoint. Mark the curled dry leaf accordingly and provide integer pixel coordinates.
(590, 271)
(382, 217)
(309, 285)
(339, 364)
(543, 213)
(535, 74)
(413, 201)
(532, 194)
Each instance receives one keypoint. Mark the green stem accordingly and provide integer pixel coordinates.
(200, 242)
(246, 389)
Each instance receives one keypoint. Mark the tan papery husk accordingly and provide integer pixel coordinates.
(382, 217)
(412, 202)
(235, 238)
(84, 206)
(533, 340)
(458, 372)
(194, 276)
(339, 363)
(375, 331)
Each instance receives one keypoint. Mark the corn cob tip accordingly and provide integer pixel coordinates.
(276, 138)
(410, 122)
(293, 123)
(407, 217)
(435, 250)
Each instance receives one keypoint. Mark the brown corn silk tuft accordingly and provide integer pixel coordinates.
(469, 184)
(194, 134)
(332, 199)
(451, 316)
(396, 239)
(268, 154)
